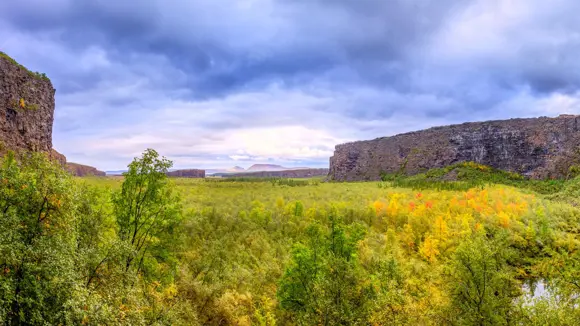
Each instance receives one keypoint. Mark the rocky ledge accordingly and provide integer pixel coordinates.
(536, 147)
(189, 173)
(26, 108)
(81, 170)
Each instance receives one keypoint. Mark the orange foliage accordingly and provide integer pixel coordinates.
(379, 207)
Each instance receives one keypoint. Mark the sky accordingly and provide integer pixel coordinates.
(218, 83)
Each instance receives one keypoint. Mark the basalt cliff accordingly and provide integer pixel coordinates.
(81, 170)
(535, 147)
(27, 105)
(188, 173)
(27, 111)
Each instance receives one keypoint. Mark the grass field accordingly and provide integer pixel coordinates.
(462, 245)
(413, 251)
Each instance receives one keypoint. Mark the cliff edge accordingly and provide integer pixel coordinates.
(188, 173)
(26, 108)
(27, 114)
(536, 147)
(81, 170)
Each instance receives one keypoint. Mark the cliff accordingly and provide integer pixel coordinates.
(81, 170)
(190, 173)
(58, 157)
(26, 108)
(535, 147)
(27, 114)
(300, 173)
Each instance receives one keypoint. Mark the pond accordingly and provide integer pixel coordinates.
(534, 290)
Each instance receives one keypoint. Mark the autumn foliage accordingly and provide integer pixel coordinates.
(148, 250)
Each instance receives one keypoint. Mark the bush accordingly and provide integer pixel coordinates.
(465, 175)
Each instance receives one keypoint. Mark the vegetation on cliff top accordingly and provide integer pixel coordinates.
(466, 175)
(38, 75)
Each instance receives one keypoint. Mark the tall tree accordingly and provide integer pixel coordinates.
(148, 212)
(37, 241)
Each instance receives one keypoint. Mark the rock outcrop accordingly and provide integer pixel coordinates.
(189, 173)
(81, 170)
(535, 147)
(26, 108)
(300, 173)
(58, 157)
(27, 114)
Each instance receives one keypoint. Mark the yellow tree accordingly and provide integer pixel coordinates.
(465, 226)
(408, 237)
(504, 219)
(441, 229)
(429, 249)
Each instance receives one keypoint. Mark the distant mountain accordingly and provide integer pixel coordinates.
(288, 173)
(265, 167)
(117, 172)
(235, 169)
(120, 172)
(253, 168)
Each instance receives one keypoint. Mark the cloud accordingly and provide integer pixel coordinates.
(210, 83)
(531, 43)
(223, 128)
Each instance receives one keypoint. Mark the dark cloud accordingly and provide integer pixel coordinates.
(162, 73)
(293, 40)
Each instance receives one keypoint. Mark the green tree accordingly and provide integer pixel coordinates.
(482, 287)
(37, 241)
(389, 307)
(148, 213)
(66, 260)
(99, 257)
(324, 282)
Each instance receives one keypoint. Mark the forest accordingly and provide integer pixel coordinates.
(490, 248)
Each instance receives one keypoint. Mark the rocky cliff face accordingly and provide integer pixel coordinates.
(27, 114)
(26, 108)
(81, 170)
(536, 147)
(189, 173)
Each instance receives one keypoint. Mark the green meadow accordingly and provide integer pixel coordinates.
(490, 248)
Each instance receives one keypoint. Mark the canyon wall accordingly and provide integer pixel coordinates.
(81, 170)
(26, 108)
(536, 147)
(27, 114)
(189, 173)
